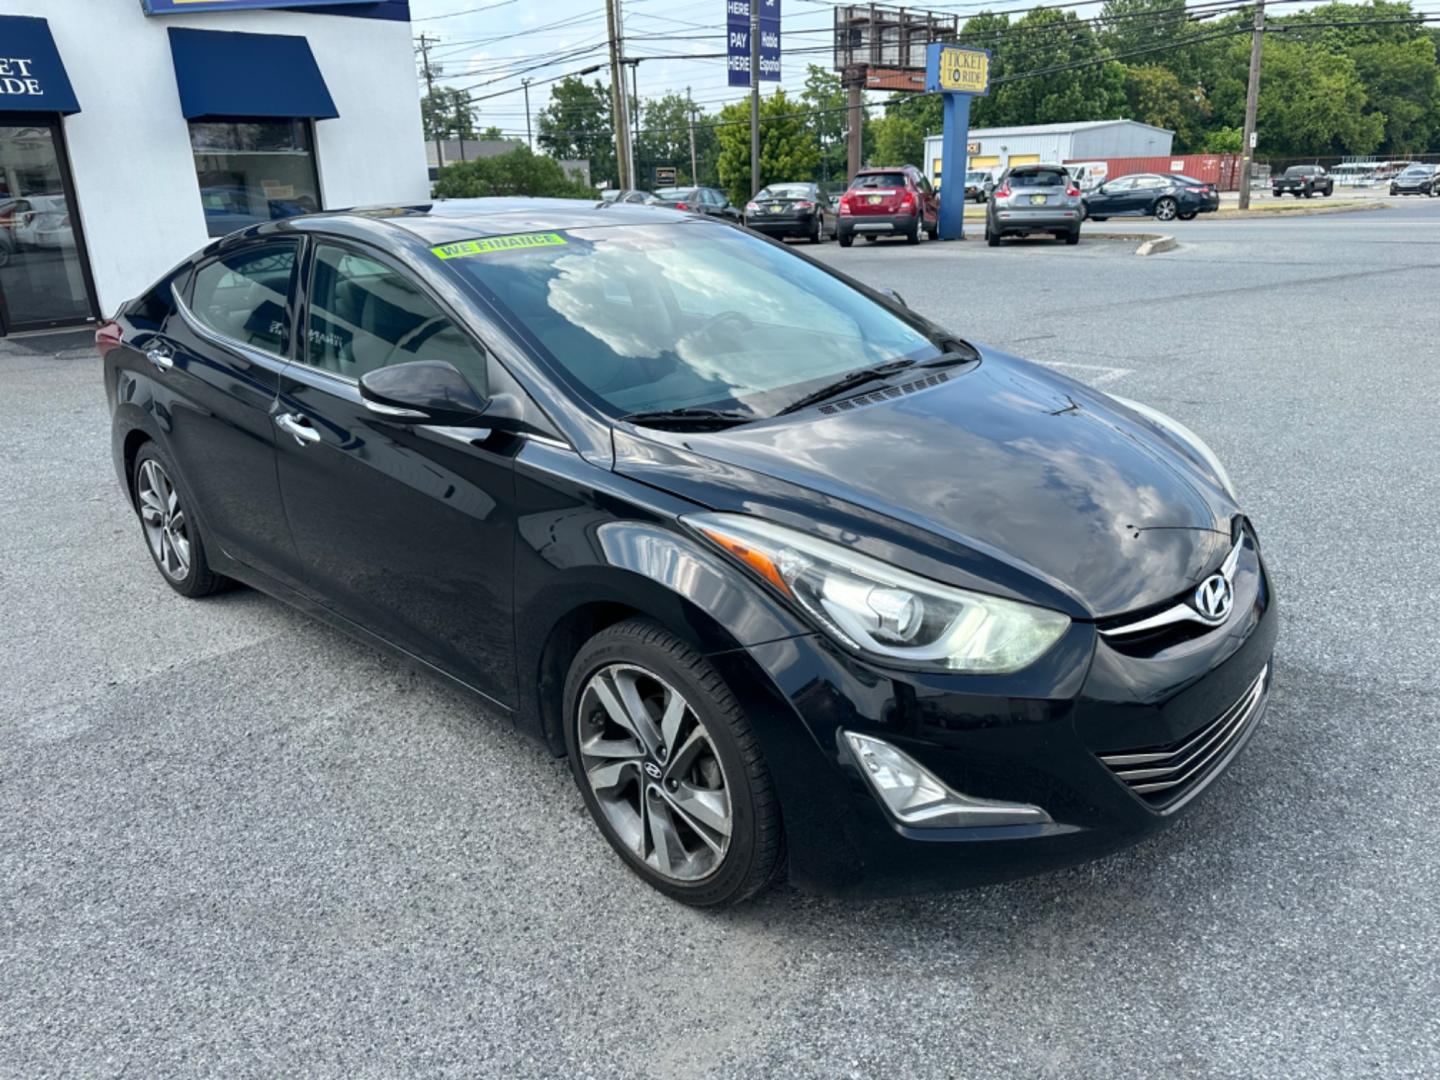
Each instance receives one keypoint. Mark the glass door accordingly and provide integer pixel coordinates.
(44, 272)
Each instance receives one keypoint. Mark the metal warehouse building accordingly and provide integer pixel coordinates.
(995, 149)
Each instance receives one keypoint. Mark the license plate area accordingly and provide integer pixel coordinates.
(1037, 200)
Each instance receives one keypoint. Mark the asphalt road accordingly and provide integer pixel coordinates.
(233, 842)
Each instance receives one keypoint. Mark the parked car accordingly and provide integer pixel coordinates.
(41, 221)
(800, 210)
(630, 196)
(1417, 180)
(1034, 199)
(892, 201)
(698, 200)
(685, 506)
(978, 185)
(1163, 196)
(1302, 180)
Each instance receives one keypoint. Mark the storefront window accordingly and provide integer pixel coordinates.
(254, 170)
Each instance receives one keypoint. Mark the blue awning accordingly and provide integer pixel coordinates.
(223, 75)
(32, 78)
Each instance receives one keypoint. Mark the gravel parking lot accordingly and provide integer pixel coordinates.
(233, 842)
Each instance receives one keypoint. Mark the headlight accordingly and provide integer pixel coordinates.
(879, 609)
(1188, 437)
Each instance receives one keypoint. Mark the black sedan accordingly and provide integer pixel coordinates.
(1417, 180)
(792, 210)
(1162, 196)
(683, 505)
(698, 200)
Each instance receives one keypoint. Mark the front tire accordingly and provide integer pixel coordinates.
(669, 767)
(167, 520)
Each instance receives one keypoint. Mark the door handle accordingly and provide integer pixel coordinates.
(161, 355)
(298, 428)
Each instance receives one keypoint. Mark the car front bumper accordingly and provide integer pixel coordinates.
(1035, 737)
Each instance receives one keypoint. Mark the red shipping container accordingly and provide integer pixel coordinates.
(1221, 169)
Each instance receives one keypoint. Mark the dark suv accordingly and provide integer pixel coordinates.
(896, 201)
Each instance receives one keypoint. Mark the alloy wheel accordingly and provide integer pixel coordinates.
(1165, 210)
(167, 528)
(654, 771)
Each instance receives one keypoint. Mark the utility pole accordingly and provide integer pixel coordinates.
(529, 138)
(619, 112)
(425, 42)
(694, 171)
(754, 98)
(460, 124)
(1252, 102)
(855, 118)
(635, 99)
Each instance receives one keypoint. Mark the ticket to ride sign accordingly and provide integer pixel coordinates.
(955, 69)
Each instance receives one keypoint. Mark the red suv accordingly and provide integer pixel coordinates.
(895, 201)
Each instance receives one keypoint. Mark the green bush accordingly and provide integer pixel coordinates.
(519, 172)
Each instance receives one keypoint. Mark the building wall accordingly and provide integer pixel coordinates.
(130, 146)
(1120, 140)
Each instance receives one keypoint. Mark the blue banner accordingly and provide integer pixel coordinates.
(737, 41)
(175, 7)
(32, 78)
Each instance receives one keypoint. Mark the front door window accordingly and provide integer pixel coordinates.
(42, 270)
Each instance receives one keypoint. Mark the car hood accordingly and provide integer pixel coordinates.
(1001, 474)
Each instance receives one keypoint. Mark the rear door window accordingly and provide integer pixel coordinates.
(245, 295)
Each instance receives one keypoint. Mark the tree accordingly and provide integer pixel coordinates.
(1155, 96)
(576, 125)
(519, 172)
(1131, 25)
(665, 140)
(789, 149)
(897, 140)
(1312, 102)
(824, 98)
(447, 114)
(493, 133)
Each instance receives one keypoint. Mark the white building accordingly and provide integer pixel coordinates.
(996, 149)
(131, 131)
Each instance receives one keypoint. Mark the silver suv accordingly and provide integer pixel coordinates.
(1034, 198)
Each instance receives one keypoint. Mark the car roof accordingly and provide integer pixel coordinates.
(449, 220)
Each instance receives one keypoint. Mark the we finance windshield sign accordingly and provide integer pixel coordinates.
(175, 7)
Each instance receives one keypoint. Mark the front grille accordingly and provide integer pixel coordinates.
(1164, 776)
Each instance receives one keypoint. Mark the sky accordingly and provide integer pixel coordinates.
(493, 44)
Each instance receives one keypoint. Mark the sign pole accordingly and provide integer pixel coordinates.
(754, 97)
(957, 74)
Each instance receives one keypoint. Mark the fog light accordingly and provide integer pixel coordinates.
(915, 797)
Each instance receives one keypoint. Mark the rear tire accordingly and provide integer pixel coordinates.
(172, 534)
(1099, 218)
(1072, 237)
(913, 236)
(870, 238)
(818, 232)
(991, 238)
(718, 840)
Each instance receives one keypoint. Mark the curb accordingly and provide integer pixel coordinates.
(1150, 243)
(1301, 210)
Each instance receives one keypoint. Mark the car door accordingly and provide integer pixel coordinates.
(216, 362)
(407, 530)
(1109, 198)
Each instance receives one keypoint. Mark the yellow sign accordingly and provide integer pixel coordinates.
(964, 70)
(466, 248)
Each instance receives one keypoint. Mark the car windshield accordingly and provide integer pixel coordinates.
(879, 180)
(788, 191)
(675, 192)
(1038, 178)
(1300, 170)
(684, 315)
(1417, 170)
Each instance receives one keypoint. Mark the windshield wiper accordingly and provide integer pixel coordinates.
(847, 381)
(852, 379)
(688, 416)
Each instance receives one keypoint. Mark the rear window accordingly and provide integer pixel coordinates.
(1039, 178)
(788, 191)
(1187, 180)
(878, 180)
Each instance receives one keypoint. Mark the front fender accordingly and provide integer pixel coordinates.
(645, 567)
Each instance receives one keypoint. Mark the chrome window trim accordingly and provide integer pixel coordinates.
(215, 337)
(1182, 612)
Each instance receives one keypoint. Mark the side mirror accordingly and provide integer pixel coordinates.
(421, 392)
